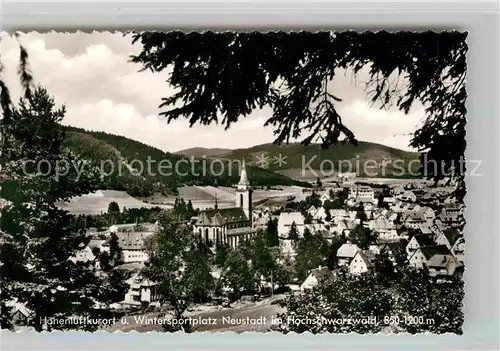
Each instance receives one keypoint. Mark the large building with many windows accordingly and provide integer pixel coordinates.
(228, 225)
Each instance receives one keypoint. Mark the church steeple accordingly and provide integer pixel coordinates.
(243, 183)
(244, 193)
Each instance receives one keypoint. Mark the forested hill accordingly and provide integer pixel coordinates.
(365, 159)
(127, 156)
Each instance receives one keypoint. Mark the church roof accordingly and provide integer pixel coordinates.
(221, 216)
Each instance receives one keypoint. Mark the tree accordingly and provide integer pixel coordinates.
(312, 251)
(39, 240)
(363, 237)
(361, 214)
(271, 232)
(228, 75)
(236, 274)
(331, 194)
(115, 251)
(308, 218)
(341, 297)
(199, 280)
(384, 269)
(221, 252)
(190, 209)
(113, 207)
(263, 263)
(319, 184)
(337, 242)
(381, 202)
(169, 251)
(293, 234)
(328, 215)
(437, 304)
(313, 200)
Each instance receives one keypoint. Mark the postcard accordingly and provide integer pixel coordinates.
(233, 181)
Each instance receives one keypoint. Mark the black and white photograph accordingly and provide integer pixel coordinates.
(233, 181)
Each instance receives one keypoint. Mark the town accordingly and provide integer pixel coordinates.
(411, 224)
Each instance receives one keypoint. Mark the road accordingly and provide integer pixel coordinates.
(248, 317)
(253, 317)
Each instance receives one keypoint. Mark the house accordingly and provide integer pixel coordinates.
(344, 226)
(346, 253)
(448, 238)
(286, 220)
(98, 244)
(453, 208)
(390, 200)
(375, 248)
(423, 254)
(362, 262)
(84, 255)
(458, 249)
(317, 228)
(325, 197)
(141, 290)
(352, 202)
(384, 229)
(396, 251)
(450, 200)
(20, 315)
(428, 214)
(417, 242)
(412, 207)
(379, 212)
(452, 215)
(338, 214)
(398, 206)
(312, 210)
(368, 206)
(391, 215)
(398, 189)
(439, 226)
(318, 214)
(362, 193)
(408, 195)
(316, 275)
(425, 229)
(413, 219)
(132, 245)
(429, 198)
(444, 265)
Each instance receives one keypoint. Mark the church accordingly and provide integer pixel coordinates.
(228, 225)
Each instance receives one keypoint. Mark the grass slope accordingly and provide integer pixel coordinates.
(202, 151)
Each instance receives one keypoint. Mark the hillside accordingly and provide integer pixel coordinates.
(202, 151)
(122, 159)
(366, 159)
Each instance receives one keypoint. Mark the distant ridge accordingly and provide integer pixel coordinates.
(295, 156)
(122, 152)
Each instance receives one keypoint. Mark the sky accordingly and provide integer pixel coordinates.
(91, 75)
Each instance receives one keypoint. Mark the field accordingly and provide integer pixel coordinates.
(204, 197)
(97, 203)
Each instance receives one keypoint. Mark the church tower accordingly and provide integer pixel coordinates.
(244, 193)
